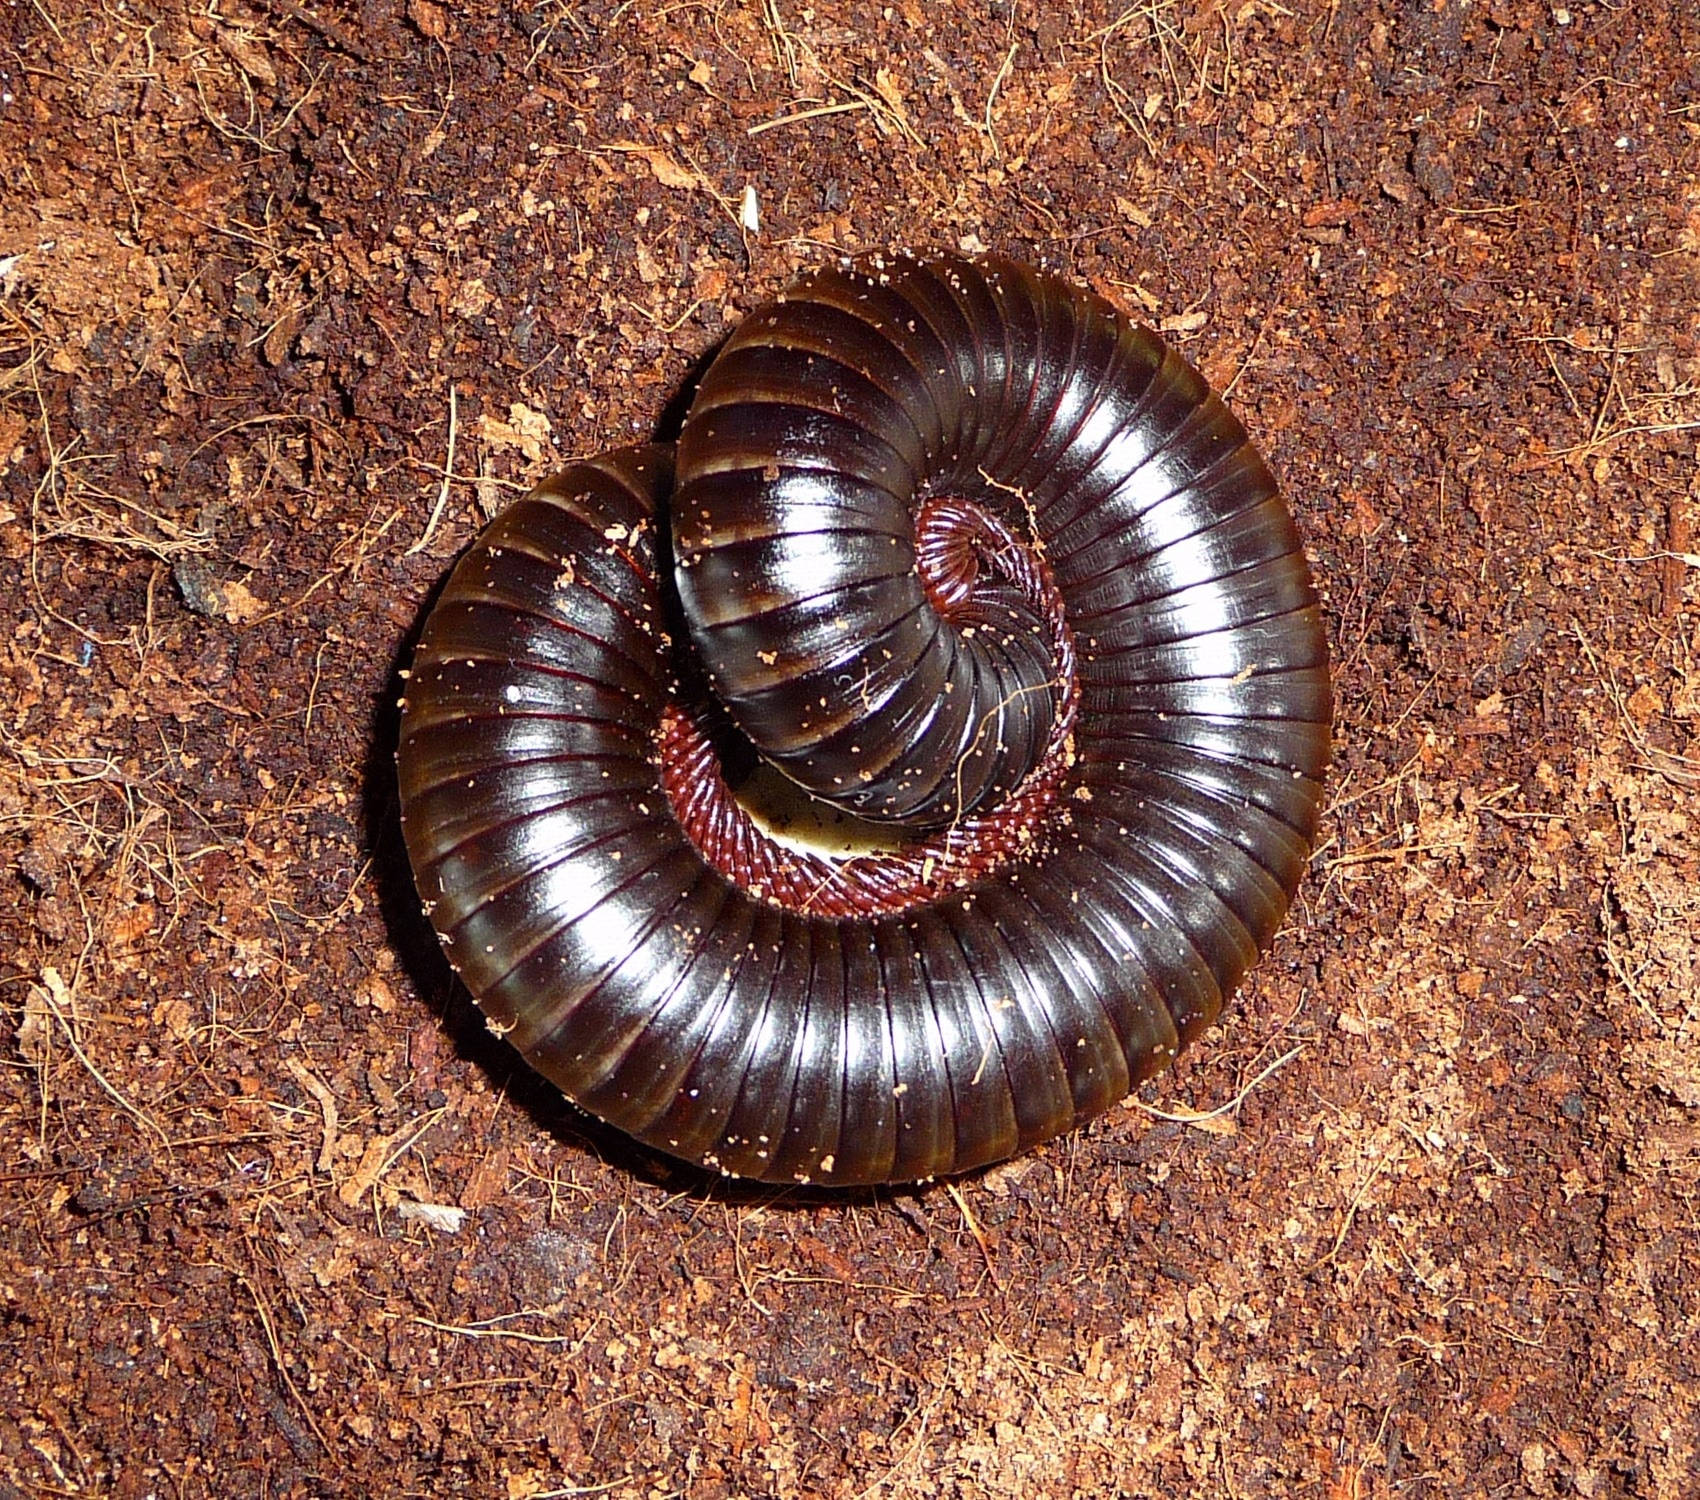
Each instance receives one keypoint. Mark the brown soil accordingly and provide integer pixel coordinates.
(292, 295)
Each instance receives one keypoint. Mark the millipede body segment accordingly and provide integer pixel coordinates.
(978, 567)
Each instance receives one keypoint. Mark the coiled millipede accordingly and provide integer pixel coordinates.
(973, 563)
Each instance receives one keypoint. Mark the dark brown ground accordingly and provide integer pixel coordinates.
(266, 268)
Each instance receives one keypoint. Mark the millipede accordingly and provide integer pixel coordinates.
(895, 772)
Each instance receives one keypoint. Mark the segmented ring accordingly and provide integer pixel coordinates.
(978, 566)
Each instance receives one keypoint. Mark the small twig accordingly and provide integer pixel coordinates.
(313, 689)
(367, 1178)
(1245, 364)
(448, 474)
(124, 177)
(1611, 435)
(47, 15)
(783, 44)
(485, 1329)
(578, 1489)
(975, 1230)
(674, 326)
(1680, 770)
(1190, 1118)
(991, 98)
(808, 114)
(1352, 1210)
(327, 1107)
(53, 989)
(277, 1362)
